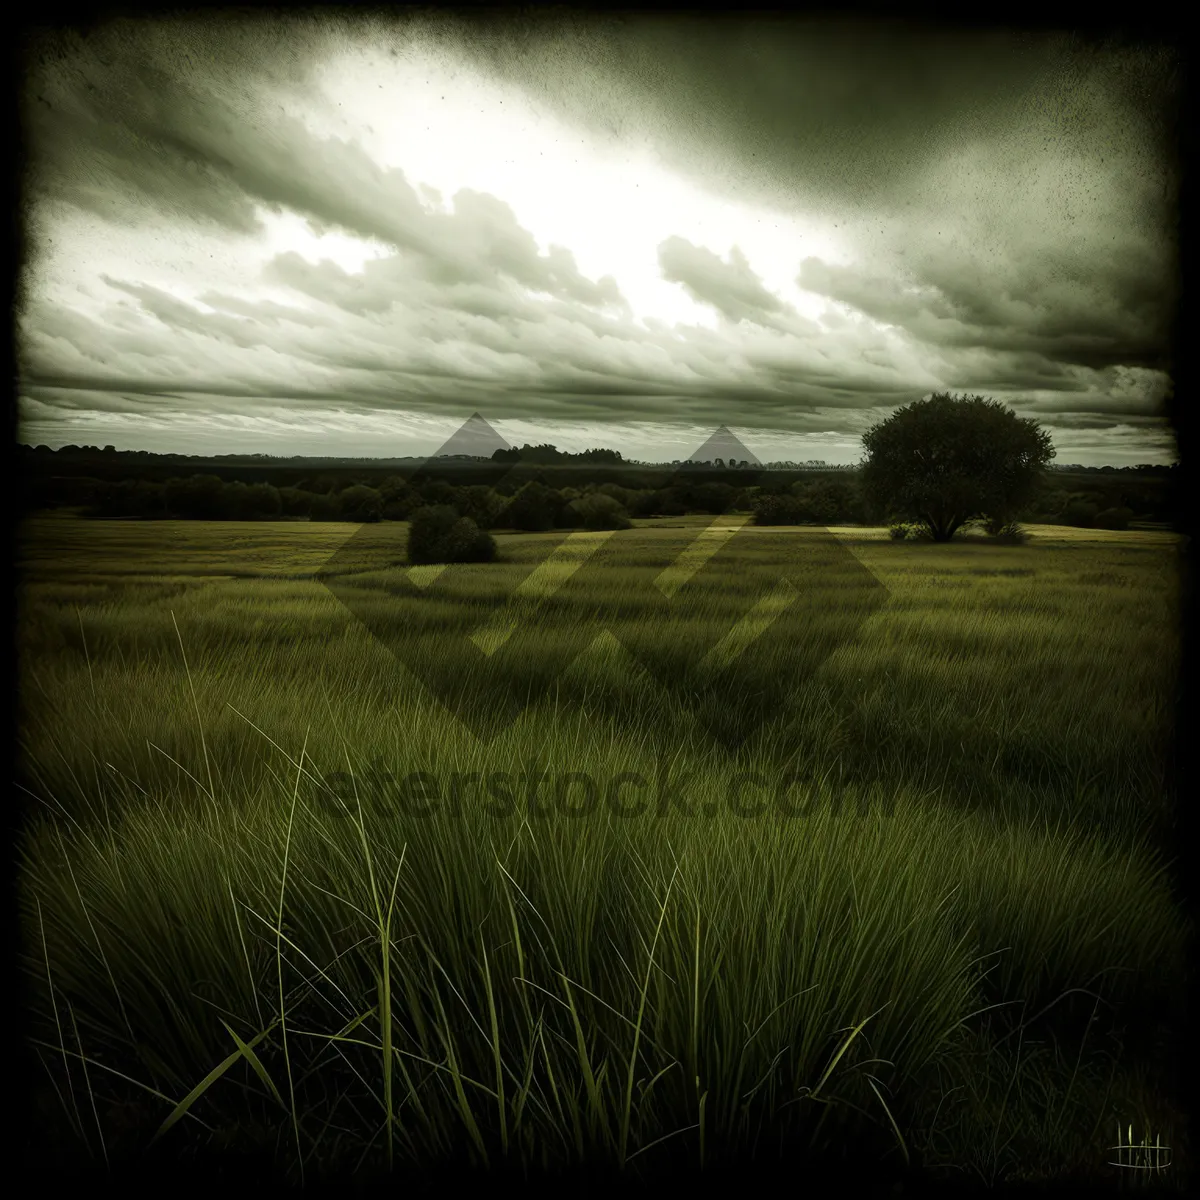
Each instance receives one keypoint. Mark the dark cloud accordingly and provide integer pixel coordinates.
(119, 117)
(1099, 421)
(329, 283)
(1117, 312)
(393, 337)
(732, 288)
(106, 116)
(885, 297)
(245, 331)
(1007, 200)
(843, 113)
(1024, 186)
(260, 310)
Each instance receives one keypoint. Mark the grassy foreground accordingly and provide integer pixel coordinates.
(248, 923)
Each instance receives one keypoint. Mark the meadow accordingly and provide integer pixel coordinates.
(323, 859)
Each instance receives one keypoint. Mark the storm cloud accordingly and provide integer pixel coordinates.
(984, 212)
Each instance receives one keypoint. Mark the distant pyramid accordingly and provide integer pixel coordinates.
(474, 437)
(725, 446)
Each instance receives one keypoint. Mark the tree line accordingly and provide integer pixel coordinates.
(531, 505)
(1085, 502)
(929, 469)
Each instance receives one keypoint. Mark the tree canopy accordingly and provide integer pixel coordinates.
(952, 459)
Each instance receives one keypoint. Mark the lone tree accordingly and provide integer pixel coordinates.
(950, 459)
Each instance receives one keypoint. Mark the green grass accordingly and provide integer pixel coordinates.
(212, 916)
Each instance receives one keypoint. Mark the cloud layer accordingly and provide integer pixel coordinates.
(1007, 204)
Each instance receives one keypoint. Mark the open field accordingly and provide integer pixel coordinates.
(224, 863)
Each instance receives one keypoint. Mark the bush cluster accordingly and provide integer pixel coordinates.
(1110, 506)
(536, 506)
(437, 534)
(201, 497)
(598, 511)
(908, 531)
(1011, 533)
(832, 502)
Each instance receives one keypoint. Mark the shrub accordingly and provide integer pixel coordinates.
(1081, 513)
(482, 504)
(437, 492)
(43, 492)
(533, 509)
(598, 511)
(296, 503)
(325, 507)
(909, 531)
(646, 502)
(197, 498)
(567, 516)
(818, 502)
(1113, 518)
(361, 503)
(251, 502)
(232, 501)
(466, 542)
(672, 501)
(131, 498)
(625, 497)
(266, 501)
(428, 528)
(1048, 506)
(774, 508)
(399, 500)
(714, 498)
(1011, 533)
(400, 508)
(438, 534)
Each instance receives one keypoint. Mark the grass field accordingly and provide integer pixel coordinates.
(961, 945)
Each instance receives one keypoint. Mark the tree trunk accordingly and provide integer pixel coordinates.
(944, 528)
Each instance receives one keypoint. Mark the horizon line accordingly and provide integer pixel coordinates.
(347, 458)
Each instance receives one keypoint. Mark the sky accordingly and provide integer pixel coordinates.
(345, 235)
